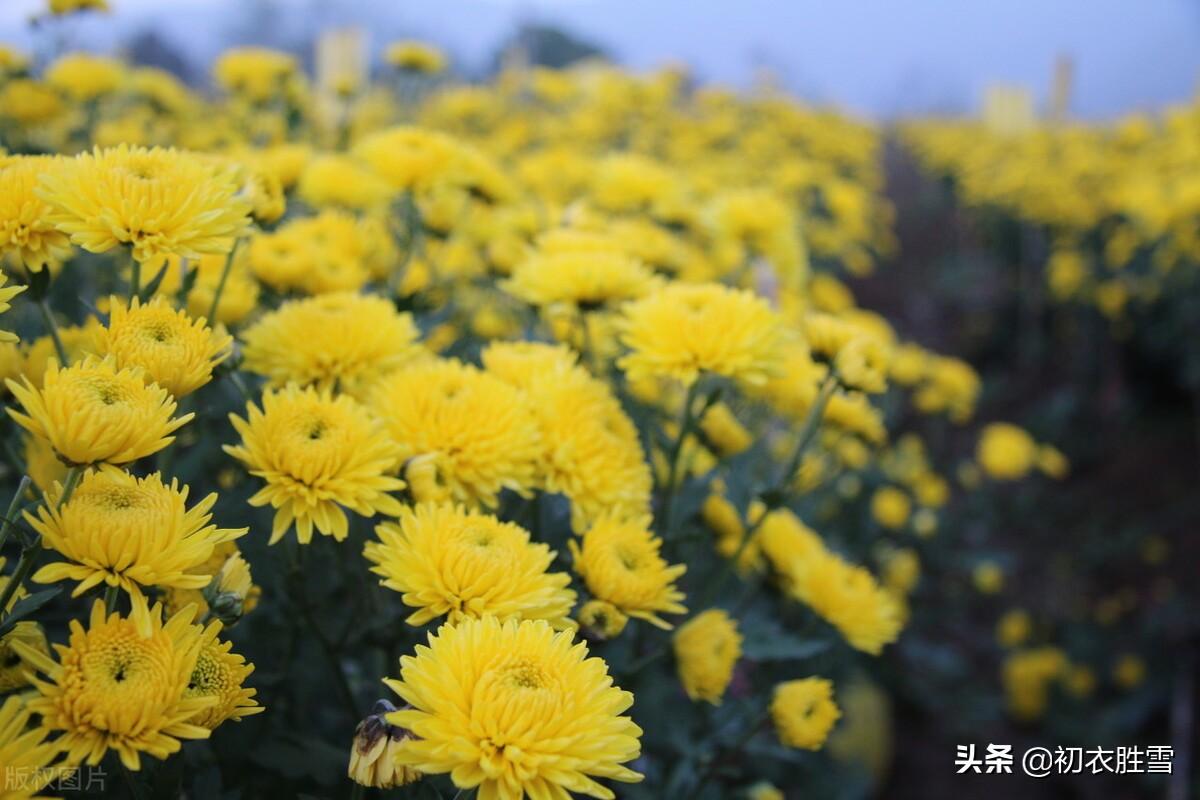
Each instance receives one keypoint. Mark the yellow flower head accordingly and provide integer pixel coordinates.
(477, 428)
(891, 507)
(7, 293)
(337, 180)
(157, 201)
(1006, 452)
(14, 670)
(447, 561)
(590, 447)
(586, 270)
(256, 73)
(93, 412)
(25, 230)
(621, 564)
(174, 350)
(373, 752)
(601, 620)
(339, 341)
(239, 296)
(707, 647)
(415, 57)
(317, 454)
(60, 7)
(130, 532)
(29, 102)
(78, 340)
(84, 77)
(409, 158)
(331, 252)
(1013, 629)
(515, 709)
(685, 330)
(221, 674)
(115, 689)
(804, 712)
(24, 751)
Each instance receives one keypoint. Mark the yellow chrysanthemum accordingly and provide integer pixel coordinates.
(409, 158)
(157, 201)
(844, 594)
(601, 620)
(590, 447)
(174, 350)
(29, 102)
(239, 295)
(84, 77)
(337, 180)
(582, 269)
(115, 689)
(70, 6)
(340, 341)
(685, 330)
(891, 507)
(256, 73)
(24, 752)
(448, 561)
(620, 563)
(804, 712)
(1006, 452)
(221, 674)
(78, 340)
(134, 533)
(317, 454)
(14, 670)
(475, 427)
(7, 293)
(415, 56)
(92, 412)
(707, 648)
(331, 252)
(25, 229)
(373, 752)
(516, 710)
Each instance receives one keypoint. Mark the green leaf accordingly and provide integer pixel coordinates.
(26, 606)
(767, 641)
(150, 288)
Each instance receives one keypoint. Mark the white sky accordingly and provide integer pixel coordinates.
(875, 56)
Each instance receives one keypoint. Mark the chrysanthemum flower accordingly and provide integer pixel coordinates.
(620, 563)
(447, 561)
(239, 296)
(256, 73)
(317, 454)
(373, 752)
(92, 412)
(515, 709)
(476, 427)
(114, 689)
(221, 674)
(78, 340)
(84, 77)
(7, 293)
(174, 350)
(25, 230)
(339, 342)
(409, 158)
(707, 647)
(804, 712)
(1006, 452)
(332, 179)
(29, 102)
(415, 56)
(590, 448)
(685, 330)
(14, 672)
(601, 619)
(24, 752)
(331, 252)
(134, 533)
(157, 201)
(583, 269)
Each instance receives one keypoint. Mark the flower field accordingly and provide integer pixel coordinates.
(570, 433)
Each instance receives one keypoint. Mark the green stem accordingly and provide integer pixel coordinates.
(135, 278)
(10, 515)
(358, 791)
(110, 599)
(735, 749)
(29, 553)
(52, 329)
(668, 489)
(225, 270)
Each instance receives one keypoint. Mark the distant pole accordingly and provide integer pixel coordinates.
(1060, 94)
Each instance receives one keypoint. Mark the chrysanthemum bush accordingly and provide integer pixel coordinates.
(520, 441)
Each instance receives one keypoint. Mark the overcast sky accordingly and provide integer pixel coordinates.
(880, 57)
